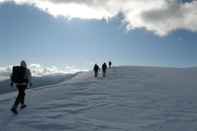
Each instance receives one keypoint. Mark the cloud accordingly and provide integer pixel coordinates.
(39, 70)
(158, 16)
(5, 72)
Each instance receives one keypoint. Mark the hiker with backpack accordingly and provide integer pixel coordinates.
(104, 69)
(96, 70)
(21, 77)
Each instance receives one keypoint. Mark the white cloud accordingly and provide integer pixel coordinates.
(158, 16)
(5, 72)
(39, 70)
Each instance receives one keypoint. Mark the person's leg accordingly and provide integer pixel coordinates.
(95, 74)
(22, 96)
(17, 101)
(104, 73)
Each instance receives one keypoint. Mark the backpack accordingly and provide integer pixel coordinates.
(19, 74)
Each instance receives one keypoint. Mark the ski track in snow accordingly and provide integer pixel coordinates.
(128, 99)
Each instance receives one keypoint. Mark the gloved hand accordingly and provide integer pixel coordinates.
(11, 84)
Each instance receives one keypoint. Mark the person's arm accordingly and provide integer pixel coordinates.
(11, 82)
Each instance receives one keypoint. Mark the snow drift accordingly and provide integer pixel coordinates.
(128, 99)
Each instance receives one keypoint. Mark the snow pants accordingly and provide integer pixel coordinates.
(21, 95)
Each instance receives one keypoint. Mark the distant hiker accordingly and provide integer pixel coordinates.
(96, 70)
(21, 77)
(110, 64)
(104, 68)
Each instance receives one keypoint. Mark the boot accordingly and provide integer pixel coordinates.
(23, 106)
(14, 110)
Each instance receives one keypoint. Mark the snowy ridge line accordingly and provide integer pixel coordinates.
(54, 85)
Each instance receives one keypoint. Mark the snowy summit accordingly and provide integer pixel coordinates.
(128, 99)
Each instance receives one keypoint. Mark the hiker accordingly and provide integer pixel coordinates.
(96, 70)
(110, 64)
(104, 68)
(21, 77)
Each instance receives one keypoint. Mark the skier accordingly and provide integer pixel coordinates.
(21, 77)
(104, 68)
(110, 64)
(96, 70)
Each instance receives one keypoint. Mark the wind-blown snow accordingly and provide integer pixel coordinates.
(129, 99)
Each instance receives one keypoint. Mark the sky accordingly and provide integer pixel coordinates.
(76, 34)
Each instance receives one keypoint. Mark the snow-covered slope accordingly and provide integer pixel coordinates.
(37, 81)
(128, 99)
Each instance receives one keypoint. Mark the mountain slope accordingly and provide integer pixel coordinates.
(129, 98)
(37, 81)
